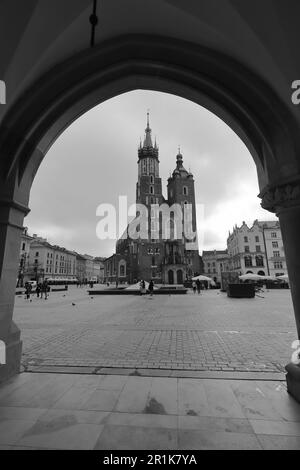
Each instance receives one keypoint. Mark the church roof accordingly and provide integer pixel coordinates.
(180, 170)
(147, 148)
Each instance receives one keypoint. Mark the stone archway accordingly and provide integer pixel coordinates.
(211, 79)
(179, 276)
(170, 276)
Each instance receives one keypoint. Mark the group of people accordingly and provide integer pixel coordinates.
(196, 286)
(143, 289)
(81, 283)
(41, 290)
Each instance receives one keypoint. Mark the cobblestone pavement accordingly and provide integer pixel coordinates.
(189, 332)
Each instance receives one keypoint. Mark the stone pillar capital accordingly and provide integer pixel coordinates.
(282, 196)
(12, 213)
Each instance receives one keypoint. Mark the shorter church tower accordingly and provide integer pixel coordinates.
(181, 191)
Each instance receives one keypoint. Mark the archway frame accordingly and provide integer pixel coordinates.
(226, 88)
(213, 80)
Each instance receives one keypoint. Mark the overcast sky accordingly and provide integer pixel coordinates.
(95, 160)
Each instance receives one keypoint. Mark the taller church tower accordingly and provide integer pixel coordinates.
(148, 188)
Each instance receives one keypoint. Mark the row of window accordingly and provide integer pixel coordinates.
(273, 235)
(49, 255)
(259, 260)
(151, 191)
(257, 248)
(59, 271)
(278, 265)
(246, 240)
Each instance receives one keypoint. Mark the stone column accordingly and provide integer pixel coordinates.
(11, 226)
(285, 201)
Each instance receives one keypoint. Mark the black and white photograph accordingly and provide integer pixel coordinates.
(149, 228)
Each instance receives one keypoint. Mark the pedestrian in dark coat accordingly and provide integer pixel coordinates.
(38, 289)
(151, 287)
(44, 289)
(198, 284)
(28, 288)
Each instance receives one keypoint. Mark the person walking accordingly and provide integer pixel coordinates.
(44, 289)
(198, 285)
(194, 287)
(28, 290)
(38, 289)
(151, 287)
(142, 287)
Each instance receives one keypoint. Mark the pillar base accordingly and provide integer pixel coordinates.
(13, 354)
(293, 380)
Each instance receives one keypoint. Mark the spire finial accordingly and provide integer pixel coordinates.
(148, 118)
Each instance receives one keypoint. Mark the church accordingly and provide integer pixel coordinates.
(167, 250)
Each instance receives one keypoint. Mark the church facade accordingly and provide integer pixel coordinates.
(161, 242)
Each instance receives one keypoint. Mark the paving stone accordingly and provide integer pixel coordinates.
(137, 437)
(203, 440)
(170, 333)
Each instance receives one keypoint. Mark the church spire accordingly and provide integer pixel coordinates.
(147, 139)
(179, 159)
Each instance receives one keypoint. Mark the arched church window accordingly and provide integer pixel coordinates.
(151, 190)
(122, 268)
(185, 191)
(151, 179)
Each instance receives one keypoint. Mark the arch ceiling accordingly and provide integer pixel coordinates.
(223, 55)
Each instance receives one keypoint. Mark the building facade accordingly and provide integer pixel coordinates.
(47, 261)
(98, 268)
(165, 248)
(214, 263)
(276, 263)
(89, 268)
(257, 249)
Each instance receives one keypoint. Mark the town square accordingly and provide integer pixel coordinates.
(206, 332)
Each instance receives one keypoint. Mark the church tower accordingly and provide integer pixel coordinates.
(148, 188)
(150, 251)
(181, 190)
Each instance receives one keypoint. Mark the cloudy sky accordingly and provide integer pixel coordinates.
(95, 161)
